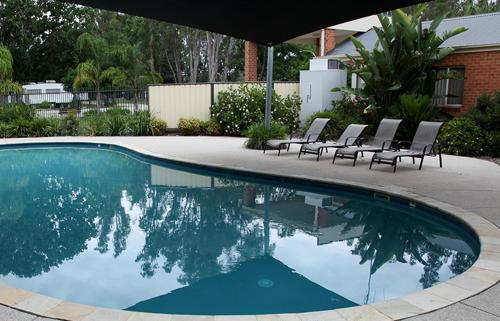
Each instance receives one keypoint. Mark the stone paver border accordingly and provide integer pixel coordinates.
(484, 273)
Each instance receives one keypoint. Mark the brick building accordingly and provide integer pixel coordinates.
(476, 57)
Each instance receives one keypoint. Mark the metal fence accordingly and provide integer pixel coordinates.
(58, 104)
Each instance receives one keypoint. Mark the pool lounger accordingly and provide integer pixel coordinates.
(384, 139)
(423, 144)
(349, 137)
(312, 135)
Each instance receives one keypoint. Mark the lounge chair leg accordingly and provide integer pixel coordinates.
(421, 163)
(355, 158)
(264, 149)
(300, 151)
(413, 160)
(319, 154)
(400, 159)
(371, 163)
(395, 164)
(279, 150)
(288, 148)
(440, 157)
(362, 154)
(334, 156)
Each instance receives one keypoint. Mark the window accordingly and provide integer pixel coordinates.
(335, 64)
(52, 91)
(33, 91)
(449, 92)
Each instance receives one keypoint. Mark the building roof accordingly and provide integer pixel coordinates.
(480, 34)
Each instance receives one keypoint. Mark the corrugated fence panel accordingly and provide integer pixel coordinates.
(286, 88)
(172, 102)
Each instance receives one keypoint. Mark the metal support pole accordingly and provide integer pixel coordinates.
(269, 86)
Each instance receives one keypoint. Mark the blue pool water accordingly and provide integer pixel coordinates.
(111, 228)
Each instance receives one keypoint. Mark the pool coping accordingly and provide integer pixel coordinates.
(484, 273)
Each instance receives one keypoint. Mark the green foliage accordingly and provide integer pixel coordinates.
(403, 61)
(413, 109)
(116, 122)
(70, 124)
(239, 107)
(462, 136)
(190, 126)
(41, 36)
(45, 127)
(7, 86)
(494, 143)
(487, 112)
(140, 123)
(11, 112)
(158, 127)
(342, 114)
(258, 134)
(210, 128)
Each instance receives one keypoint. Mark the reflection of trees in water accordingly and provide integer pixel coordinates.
(203, 232)
(53, 202)
(391, 236)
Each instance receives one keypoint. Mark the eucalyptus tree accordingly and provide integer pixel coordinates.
(403, 60)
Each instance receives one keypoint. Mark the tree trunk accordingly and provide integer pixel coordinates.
(214, 41)
(194, 57)
(151, 46)
(228, 55)
(98, 98)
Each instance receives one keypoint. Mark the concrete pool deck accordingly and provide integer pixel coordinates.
(466, 183)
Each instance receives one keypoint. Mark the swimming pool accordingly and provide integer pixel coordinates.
(107, 227)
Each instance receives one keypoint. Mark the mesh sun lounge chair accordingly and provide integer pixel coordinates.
(383, 140)
(311, 136)
(349, 137)
(423, 144)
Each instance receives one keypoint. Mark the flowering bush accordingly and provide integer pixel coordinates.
(462, 136)
(239, 107)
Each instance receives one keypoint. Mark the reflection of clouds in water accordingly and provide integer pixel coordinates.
(120, 239)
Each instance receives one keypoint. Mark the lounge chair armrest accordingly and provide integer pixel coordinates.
(356, 138)
(402, 143)
(388, 143)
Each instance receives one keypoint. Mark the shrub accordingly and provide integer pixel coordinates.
(20, 128)
(338, 122)
(258, 134)
(487, 112)
(11, 112)
(210, 128)
(494, 145)
(190, 126)
(462, 136)
(116, 122)
(92, 126)
(70, 124)
(4, 130)
(413, 109)
(158, 127)
(45, 127)
(239, 107)
(140, 123)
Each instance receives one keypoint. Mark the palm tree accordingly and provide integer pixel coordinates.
(7, 86)
(134, 72)
(93, 70)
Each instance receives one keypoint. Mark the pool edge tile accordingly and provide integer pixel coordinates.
(397, 309)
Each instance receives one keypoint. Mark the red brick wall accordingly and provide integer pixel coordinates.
(482, 75)
(251, 61)
(329, 42)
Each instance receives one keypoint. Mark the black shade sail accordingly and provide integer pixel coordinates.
(261, 285)
(266, 22)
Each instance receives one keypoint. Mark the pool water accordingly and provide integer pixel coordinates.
(111, 228)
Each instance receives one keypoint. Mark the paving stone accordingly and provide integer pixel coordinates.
(8, 314)
(488, 300)
(456, 312)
